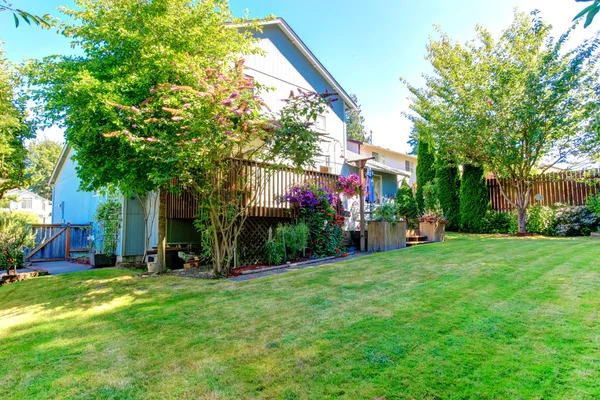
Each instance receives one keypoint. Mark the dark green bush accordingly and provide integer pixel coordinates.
(474, 199)
(448, 180)
(274, 252)
(425, 170)
(540, 220)
(499, 222)
(593, 203)
(294, 238)
(406, 205)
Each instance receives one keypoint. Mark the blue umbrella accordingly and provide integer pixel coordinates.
(370, 185)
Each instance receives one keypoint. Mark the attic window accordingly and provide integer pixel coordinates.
(27, 204)
(375, 156)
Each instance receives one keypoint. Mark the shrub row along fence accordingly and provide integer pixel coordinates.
(568, 187)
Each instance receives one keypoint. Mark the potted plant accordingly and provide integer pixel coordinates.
(108, 217)
(432, 223)
(387, 231)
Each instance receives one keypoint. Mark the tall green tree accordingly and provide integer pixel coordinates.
(14, 128)
(425, 169)
(448, 181)
(355, 122)
(42, 156)
(516, 105)
(129, 47)
(407, 204)
(474, 199)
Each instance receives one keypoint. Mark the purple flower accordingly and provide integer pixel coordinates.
(234, 95)
(226, 102)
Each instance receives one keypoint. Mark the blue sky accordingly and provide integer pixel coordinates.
(366, 45)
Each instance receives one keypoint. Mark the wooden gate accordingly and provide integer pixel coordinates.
(56, 242)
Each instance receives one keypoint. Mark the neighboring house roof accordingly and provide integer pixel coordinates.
(376, 166)
(20, 191)
(59, 164)
(382, 148)
(299, 44)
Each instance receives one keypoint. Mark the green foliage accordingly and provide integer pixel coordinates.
(574, 220)
(24, 217)
(274, 252)
(448, 181)
(387, 212)
(425, 170)
(406, 204)
(499, 222)
(15, 236)
(593, 203)
(589, 12)
(431, 198)
(42, 156)
(294, 237)
(19, 14)
(511, 103)
(355, 128)
(474, 199)
(14, 128)
(540, 220)
(108, 217)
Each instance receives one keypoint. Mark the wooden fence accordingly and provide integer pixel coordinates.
(57, 241)
(570, 187)
(266, 201)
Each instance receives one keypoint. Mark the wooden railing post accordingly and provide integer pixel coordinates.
(68, 242)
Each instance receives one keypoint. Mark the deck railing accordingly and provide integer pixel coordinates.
(264, 188)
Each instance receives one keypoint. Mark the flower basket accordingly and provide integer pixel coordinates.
(433, 226)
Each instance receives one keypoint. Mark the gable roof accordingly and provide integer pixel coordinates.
(376, 166)
(314, 61)
(382, 148)
(59, 164)
(27, 191)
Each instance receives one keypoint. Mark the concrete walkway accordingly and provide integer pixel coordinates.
(57, 267)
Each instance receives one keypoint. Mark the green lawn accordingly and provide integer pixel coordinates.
(481, 317)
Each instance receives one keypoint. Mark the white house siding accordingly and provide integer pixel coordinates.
(285, 69)
(31, 202)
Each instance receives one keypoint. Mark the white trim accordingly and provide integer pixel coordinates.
(59, 164)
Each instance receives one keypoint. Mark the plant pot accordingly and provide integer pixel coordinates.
(103, 260)
(386, 236)
(435, 231)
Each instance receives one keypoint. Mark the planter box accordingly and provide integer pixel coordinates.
(385, 236)
(435, 232)
(103, 261)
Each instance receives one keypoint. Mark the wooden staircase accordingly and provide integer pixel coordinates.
(415, 240)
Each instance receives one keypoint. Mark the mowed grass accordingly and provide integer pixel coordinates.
(477, 316)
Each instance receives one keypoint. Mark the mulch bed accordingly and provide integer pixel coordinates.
(197, 273)
(22, 276)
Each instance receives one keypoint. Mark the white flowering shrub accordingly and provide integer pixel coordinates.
(574, 220)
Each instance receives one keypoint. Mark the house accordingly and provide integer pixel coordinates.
(285, 65)
(28, 201)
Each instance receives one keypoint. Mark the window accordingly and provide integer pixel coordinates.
(375, 156)
(27, 204)
(407, 166)
(321, 123)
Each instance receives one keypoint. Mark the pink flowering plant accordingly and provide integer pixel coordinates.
(349, 185)
(204, 132)
(316, 208)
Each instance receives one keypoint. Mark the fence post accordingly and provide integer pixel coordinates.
(68, 242)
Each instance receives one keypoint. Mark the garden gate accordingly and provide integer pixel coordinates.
(57, 241)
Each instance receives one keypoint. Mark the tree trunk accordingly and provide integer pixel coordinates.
(522, 219)
(161, 262)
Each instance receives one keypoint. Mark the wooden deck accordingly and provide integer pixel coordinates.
(184, 205)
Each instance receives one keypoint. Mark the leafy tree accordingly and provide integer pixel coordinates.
(130, 47)
(425, 169)
(516, 106)
(474, 199)
(19, 14)
(413, 142)
(448, 179)
(42, 156)
(14, 129)
(407, 204)
(15, 235)
(589, 12)
(355, 128)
